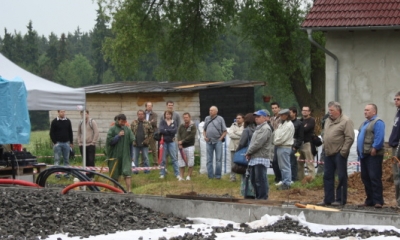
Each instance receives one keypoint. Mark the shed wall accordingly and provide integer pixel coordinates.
(104, 107)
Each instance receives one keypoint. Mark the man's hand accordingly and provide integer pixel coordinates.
(373, 152)
(180, 146)
(71, 145)
(121, 133)
(248, 156)
(206, 139)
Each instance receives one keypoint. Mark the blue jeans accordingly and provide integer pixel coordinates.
(284, 164)
(371, 175)
(259, 180)
(145, 156)
(217, 147)
(172, 150)
(293, 165)
(61, 149)
(333, 163)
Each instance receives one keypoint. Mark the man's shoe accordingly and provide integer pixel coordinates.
(336, 204)
(135, 172)
(188, 178)
(364, 205)
(66, 176)
(278, 184)
(146, 171)
(58, 176)
(180, 178)
(162, 176)
(233, 179)
(323, 204)
(378, 205)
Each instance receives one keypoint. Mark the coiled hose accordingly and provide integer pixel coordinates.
(42, 177)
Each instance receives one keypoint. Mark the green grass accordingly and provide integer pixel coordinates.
(151, 184)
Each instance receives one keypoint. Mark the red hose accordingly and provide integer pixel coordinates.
(18, 182)
(98, 184)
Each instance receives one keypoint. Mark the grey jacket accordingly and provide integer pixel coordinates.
(261, 142)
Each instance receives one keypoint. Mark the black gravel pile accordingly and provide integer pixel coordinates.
(27, 214)
(288, 225)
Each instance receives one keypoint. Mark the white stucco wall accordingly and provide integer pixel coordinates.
(369, 72)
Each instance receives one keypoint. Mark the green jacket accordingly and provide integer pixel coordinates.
(120, 149)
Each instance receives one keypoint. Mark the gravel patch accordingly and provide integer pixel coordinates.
(27, 214)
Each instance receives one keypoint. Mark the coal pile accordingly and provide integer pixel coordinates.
(35, 214)
(288, 225)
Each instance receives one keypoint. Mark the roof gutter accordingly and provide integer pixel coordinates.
(361, 28)
(310, 38)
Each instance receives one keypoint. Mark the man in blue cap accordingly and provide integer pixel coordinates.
(258, 155)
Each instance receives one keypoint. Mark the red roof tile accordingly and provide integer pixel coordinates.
(353, 13)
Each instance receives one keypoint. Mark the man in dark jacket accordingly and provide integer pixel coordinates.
(143, 132)
(62, 138)
(306, 155)
(297, 141)
(152, 117)
(394, 140)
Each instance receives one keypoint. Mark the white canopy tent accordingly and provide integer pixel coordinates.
(44, 94)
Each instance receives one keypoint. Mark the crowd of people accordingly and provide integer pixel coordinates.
(282, 138)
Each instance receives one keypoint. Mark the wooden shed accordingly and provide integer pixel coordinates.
(105, 101)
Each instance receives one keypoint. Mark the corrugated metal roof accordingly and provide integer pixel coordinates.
(353, 13)
(141, 87)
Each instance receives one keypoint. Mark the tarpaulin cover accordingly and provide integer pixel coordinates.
(15, 126)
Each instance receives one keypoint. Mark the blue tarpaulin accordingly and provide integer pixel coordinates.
(15, 125)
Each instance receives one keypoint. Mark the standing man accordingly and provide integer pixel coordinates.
(394, 141)
(258, 155)
(62, 138)
(275, 121)
(214, 132)
(118, 145)
(175, 115)
(338, 138)
(143, 132)
(298, 139)
(186, 138)
(283, 141)
(235, 132)
(370, 152)
(152, 118)
(305, 150)
(92, 135)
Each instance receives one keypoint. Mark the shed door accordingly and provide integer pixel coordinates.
(229, 102)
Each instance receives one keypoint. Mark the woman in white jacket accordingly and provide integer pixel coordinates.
(235, 132)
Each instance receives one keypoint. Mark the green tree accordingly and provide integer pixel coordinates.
(273, 27)
(62, 50)
(31, 55)
(181, 32)
(100, 32)
(8, 48)
(76, 72)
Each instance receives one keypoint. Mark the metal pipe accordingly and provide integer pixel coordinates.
(310, 38)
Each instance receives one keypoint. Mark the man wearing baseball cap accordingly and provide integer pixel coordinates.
(283, 141)
(258, 155)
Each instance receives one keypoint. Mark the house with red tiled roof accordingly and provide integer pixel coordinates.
(363, 53)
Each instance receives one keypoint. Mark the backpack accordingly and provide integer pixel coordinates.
(90, 123)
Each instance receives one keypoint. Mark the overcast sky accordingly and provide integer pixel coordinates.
(58, 16)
